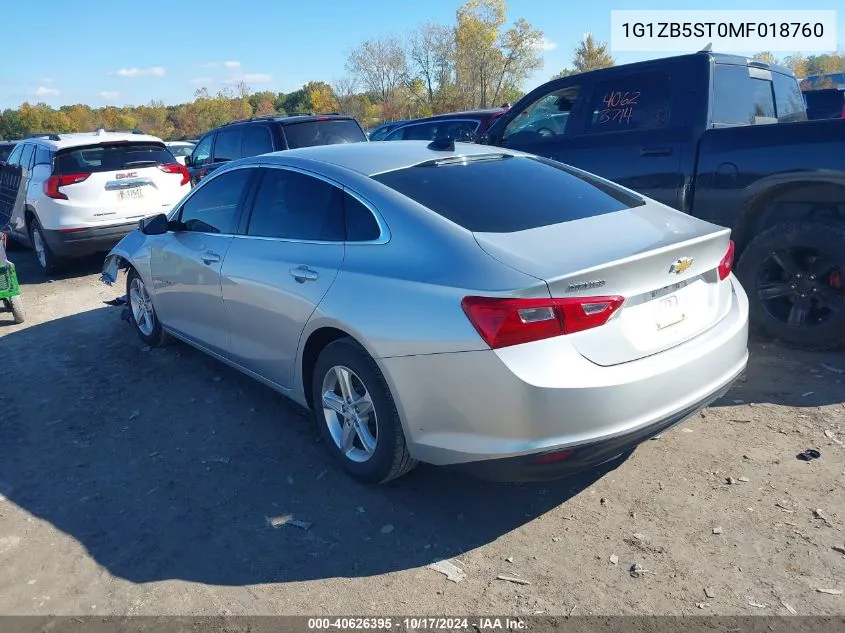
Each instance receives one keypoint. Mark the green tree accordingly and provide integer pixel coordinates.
(591, 55)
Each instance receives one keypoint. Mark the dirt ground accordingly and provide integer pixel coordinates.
(140, 482)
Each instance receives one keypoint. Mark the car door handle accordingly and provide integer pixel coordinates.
(655, 151)
(210, 258)
(303, 274)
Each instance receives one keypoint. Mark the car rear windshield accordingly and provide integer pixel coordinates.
(111, 157)
(507, 194)
(327, 132)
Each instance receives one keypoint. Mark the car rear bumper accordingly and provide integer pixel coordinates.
(508, 406)
(79, 243)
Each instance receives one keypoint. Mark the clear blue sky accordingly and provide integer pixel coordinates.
(98, 52)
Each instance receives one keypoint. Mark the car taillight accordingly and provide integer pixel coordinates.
(54, 183)
(727, 263)
(177, 168)
(503, 322)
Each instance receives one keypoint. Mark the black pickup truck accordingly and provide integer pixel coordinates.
(725, 139)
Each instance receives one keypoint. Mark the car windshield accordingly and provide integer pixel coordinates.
(181, 150)
(111, 157)
(5, 150)
(502, 193)
(325, 132)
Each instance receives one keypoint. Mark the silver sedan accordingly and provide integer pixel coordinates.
(466, 306)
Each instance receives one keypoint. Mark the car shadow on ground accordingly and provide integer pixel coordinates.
(783, 376)
(165, 464)
(30, 272)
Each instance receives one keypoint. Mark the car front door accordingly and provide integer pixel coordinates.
(276, 274)
(186, 264)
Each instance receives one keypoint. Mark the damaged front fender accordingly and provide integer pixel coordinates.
(130, 251)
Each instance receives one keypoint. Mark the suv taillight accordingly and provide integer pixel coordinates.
(503, 322)
(54, 183)
(177, 168)
(727, 263)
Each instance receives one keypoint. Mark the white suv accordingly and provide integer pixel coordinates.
(86, 190)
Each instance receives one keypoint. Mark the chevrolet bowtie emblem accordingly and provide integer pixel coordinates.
(680, 265)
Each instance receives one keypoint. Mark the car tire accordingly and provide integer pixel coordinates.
(390, 457)
(50, 265)
(15, 305)
(141, 308)
(794, 274)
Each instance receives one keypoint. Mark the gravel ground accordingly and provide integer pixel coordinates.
(142, 482)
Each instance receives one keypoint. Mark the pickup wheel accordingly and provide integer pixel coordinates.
(794, 274)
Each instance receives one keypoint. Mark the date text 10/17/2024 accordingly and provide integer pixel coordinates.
(418, 624)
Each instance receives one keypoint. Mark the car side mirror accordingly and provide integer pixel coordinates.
(153, 225)
(188, 160)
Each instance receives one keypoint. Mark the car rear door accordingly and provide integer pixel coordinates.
(186, 262)
(276, 274)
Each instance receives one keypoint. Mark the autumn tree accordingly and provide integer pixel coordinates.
(766, 56)
(322, 97)
(489, 60)
(797, 64)
(380, 65)
(591, 55)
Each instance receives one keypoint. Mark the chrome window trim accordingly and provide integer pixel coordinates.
(384, 230)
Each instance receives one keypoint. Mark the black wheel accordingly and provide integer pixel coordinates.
(793, 274)
(16, 306)
(142, 314)
(49, 263)
(357, 415)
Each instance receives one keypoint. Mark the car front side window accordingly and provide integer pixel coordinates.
(216, 206)
(547, 117)
(202, 153)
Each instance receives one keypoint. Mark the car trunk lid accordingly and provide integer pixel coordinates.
(664, 263)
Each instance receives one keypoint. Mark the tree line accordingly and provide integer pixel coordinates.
(476, 62)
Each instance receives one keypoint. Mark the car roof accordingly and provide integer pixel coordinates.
(458, 115)
(75, 139)
(287, 119)
(370, 159)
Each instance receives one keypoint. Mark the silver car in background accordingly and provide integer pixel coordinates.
(467, 306)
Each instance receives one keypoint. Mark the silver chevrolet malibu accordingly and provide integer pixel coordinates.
(458, 305)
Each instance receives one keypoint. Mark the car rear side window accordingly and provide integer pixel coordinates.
(739, 98)
(638, 102)
(215, 207)
(111, 157)
(228, 145)
(292, 205)
(503, 195)
(323, 132)
(26, 156)
(788, 99)
(257, 140)
(42, 156)
(361, 225)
